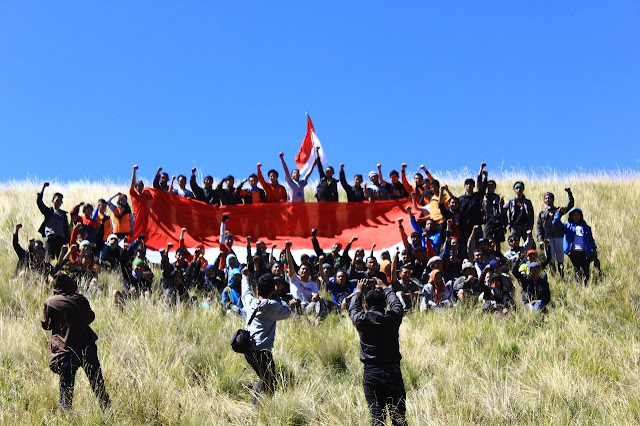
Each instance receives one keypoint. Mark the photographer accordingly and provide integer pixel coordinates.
(270, 309)
(380, 350)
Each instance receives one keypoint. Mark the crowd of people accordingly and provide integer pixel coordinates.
(453, 253)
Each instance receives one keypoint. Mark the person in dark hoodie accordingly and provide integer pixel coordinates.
(208, 194)
(578, 244)
(55, 227)
(73, 342)
(355, 193)
(550, 235)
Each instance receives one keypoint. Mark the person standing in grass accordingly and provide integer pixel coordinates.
(263, 312)
(380, 350)
(73, 342)
(578, 244)
(551, 235)
(55, 227)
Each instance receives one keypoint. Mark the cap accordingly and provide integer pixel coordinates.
(466, 265)
(534, 265)
(532, 251)
(518, 184)
(434, 259)
(85, 243)
(372, 174)
(112, 236)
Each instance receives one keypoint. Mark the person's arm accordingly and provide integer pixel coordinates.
(284, 166)
(355, 307)
(403, 235)
(156, 179)
(306, 178)
(195, 188)
(382, 181)
(345, 185)
(323, 276)
(471, 242)
(316, 245)
(407, 186)
(479, 178)
(414, 223)
(16, 244)
(319, 163)
(426, 173)
(223, 229)
(571, 200)
(528, 243)
(290, 263)
(266, 186)
(344, 258)
(394, 267)
(173, 178)
(46, 211)
(394, 306)
(133, 179)
(373, 246)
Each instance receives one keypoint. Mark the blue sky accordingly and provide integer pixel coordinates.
(87, 89)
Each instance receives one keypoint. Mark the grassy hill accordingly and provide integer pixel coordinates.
(576, 364)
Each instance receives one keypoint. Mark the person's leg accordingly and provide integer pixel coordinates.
(574, 256)
(396, 398)
(558, 252)
(252, 358)
(264, 366)
(586, 266)
(372, 385)
(91, 366)
(67, 371)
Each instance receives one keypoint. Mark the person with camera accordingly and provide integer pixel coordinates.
(263, 312)
(379, 349)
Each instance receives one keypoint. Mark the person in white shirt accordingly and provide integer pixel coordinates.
(303, 288)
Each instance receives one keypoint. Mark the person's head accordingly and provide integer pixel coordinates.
(469, 184)
(405, 274)
(418, 179)
(493, 264)
(63, 284)
(328, 270)
(87, 210)
(277, 268)
(122, 200)
(513, 241)
(375, 300)
(261, 246)
(253, 180)
(372, 264)
(85, 246)
(208, 181)
(394, 176)
(405, 257)
(266, 286)
(139, 186)
(57, 200)
(532, 255)
(434, 186)
(181, 254)
(491, 186)
(305, 271)
(228, 239)
(535, 270)
(295, 175)
(235, 276)
(138, 266)
(427, 194)
(40, 254)
(83, 232)
(142, 252)
(435, 277)
(280, 284)
(496, 281)
(164, 178)
(86, 260)
(102, 205)
(549, 199)
(232, 261)
(360, 264)
(305, 258)
(230, 181)
(357, 180)
(341, 278)
(182, 181)
(454, 204)
(575, 216)
(454, 244)
(468, 269)
(335, 248)
(435, 263)
(273, 176)
(385, 255)
(430, 225)
(518, 189)
(373, 177)
(420, 254)
(359, 253)
(210, 271)
(477, 256)
(329, 171)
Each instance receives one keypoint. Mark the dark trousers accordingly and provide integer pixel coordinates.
(67, 368)
(262, 363)
(384, 390)
(53, 245)
(580, 265)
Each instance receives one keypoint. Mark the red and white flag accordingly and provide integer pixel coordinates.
(307, 154)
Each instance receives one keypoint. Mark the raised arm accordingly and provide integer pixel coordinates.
(407, 186)
(319, 163)
(133, 179)
(323, 276)
(394, 267)
(284, 166)
(173, 178)
(571, 200)
(306, 177)
(426, 172)
(267, 188)
(41, 206)
(403, 235)
(314, 242)
(292, 266)
(195, 188)
(156, 179)
(382, 181)
(16, 244)
(223, 229)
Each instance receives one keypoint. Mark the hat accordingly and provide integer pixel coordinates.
(493, 263)
(532, 251)
(137, 262)
(434, 259)
(372, 174)
(85, 243)
(466, 265)
(534, 265)
(518, 184)
(113, 236)
(234, 271)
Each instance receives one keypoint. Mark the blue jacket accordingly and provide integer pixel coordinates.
(570, 234)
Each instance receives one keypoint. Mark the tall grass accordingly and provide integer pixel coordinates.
(576, 364)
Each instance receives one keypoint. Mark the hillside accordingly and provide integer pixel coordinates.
(576, 364)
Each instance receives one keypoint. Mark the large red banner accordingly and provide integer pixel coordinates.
(161, 216)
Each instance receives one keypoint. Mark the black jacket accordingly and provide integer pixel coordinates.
(378, 331)
(327, 189)
(208, 195)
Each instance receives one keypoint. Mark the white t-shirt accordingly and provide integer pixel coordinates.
(303, 290)
(578, 242)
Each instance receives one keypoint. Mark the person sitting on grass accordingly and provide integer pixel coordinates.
(578, 244)
(137, 278)
(303, 288)
(334, 258)
(401, 283)
(535, 285)
(34, 258)
(495, 299)
(516, 249)
(231, 300)
(110, 254)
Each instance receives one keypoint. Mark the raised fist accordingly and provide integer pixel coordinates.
(281, 155)
(135, 167)
(404, 166)
(314, 232)
(225, 217)
(193, 171)
(483, 165)
(259, 165)
(288, 244)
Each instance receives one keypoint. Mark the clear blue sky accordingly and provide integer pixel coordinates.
(87, 89)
